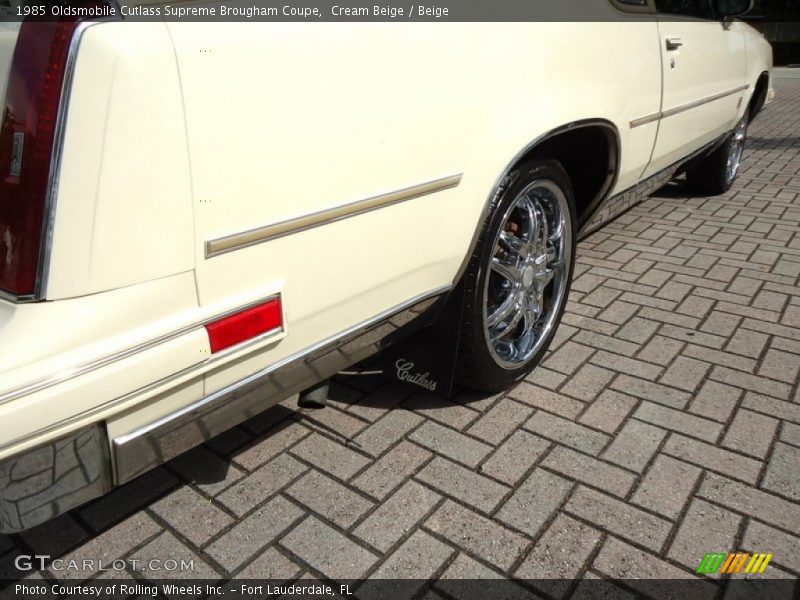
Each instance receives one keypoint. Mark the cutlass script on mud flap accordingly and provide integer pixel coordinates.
(405, 373)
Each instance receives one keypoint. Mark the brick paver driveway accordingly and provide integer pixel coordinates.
(664, 424)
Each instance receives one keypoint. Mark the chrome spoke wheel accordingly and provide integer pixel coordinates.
(736, 150)
(527, 278)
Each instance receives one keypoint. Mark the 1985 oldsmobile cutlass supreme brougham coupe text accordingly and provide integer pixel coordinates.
(198, 220)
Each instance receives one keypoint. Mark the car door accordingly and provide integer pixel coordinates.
(704, 68)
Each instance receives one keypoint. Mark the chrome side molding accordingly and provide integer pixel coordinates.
(684, 107)
(259, 235)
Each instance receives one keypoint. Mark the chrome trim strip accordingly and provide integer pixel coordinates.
(52, 380)
(645, 120)
(172, 434)
(266, 233)
(14, 298)
(701, 102)
(45, 254)
(684, 107)
(48, 222)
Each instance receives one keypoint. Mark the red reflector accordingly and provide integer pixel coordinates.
(244, 325)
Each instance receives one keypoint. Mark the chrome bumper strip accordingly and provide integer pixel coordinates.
(192, 371)
(260, 235)
(47, 481)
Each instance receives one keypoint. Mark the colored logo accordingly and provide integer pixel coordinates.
(735, 562)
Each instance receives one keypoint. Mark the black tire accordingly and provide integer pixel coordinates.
(477, 366)
(711, 176)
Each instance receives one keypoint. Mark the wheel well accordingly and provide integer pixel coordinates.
(759, 95)
(589, 155)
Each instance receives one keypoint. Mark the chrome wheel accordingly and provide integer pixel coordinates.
(527, 279)
(736, 150)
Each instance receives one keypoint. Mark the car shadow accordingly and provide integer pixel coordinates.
(391, 388)
(677, 189)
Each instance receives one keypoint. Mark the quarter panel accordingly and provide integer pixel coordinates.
(123, 205)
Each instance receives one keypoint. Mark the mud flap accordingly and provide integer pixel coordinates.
(427, 358)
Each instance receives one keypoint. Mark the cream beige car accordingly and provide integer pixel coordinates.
(198, 220)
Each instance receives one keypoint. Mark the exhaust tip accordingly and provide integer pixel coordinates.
(315, 397)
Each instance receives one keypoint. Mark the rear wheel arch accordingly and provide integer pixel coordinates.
(759, 97)
(589, 151)
(595, 140)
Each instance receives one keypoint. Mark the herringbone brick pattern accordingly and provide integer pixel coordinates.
(665, 423)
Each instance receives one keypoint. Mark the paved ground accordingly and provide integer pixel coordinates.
(665, 424)
(787, 72)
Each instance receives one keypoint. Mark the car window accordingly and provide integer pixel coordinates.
(687, 8)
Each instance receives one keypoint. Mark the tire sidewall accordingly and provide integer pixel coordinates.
(728, 147)
(507, 193)
(710, 175)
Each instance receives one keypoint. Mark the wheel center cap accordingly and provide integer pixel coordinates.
(527, 276)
